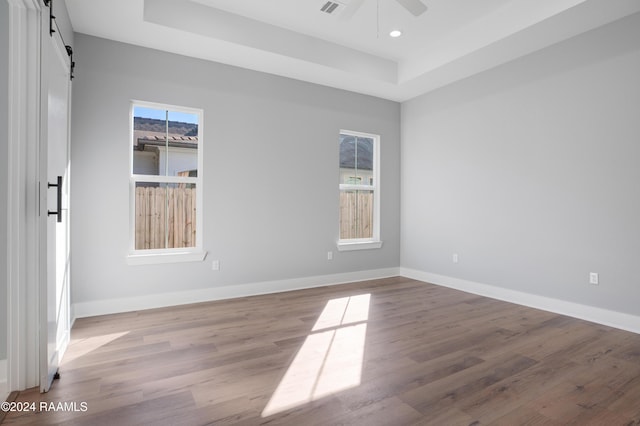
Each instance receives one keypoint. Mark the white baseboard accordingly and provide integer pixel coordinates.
(112, 306)
(607, 317)
(588, 313)
(4, 388)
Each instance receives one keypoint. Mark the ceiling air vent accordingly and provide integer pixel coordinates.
(331, 7)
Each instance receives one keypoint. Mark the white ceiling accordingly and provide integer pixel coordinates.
(452, 40)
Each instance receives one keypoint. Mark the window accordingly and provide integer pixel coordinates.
(359, 191)
(165, 183)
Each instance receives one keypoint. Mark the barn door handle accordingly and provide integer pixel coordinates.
(58, 212)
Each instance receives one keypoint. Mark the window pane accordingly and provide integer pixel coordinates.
(356, 214)
(183, 144)
(165, 215)
(165, 143)
(356, 160)
(149, 140)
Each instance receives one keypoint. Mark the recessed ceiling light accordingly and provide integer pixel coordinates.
(395, 33)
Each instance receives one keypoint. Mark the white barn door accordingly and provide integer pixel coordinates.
(54, 210)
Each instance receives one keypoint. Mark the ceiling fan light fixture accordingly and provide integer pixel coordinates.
(395, 33)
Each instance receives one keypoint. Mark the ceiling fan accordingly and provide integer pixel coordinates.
(348, 8)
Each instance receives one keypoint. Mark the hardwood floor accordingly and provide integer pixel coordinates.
(384, 352)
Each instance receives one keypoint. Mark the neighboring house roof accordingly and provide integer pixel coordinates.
(153, 132)
(176, 141)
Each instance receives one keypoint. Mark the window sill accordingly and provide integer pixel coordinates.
(160, 258)
(358, 245)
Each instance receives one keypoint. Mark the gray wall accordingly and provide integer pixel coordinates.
(270, 177)
(530, 173)
(4, 115)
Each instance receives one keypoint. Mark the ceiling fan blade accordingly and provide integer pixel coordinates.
(351, 9)
(415, 7)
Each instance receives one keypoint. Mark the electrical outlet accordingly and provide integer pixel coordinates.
(454, 258)
(329, 255)
(215, 265)
(593, 278)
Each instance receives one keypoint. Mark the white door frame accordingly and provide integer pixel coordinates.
(23, 194)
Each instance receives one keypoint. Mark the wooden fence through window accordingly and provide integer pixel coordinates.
(162, 208)
(154, 204)
(356, 214)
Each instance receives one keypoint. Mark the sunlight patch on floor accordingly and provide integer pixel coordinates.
(330, 360)
(80, 347)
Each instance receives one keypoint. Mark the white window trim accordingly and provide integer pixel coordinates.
(374, 242)
(162, 256)
(353, 245)
(173, 255)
